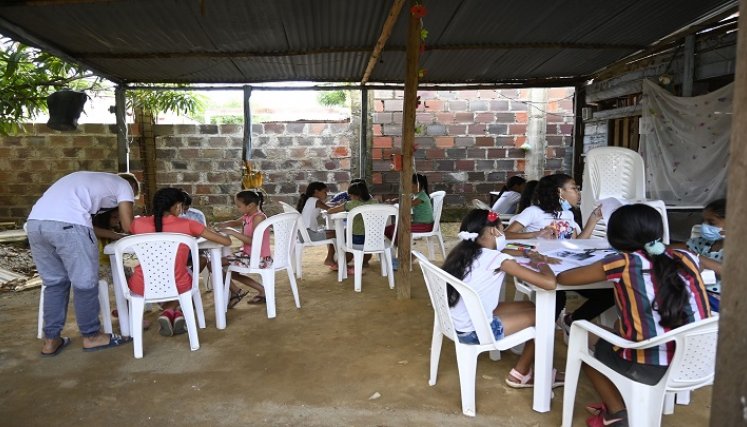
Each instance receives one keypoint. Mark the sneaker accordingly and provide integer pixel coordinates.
(180, 326)
(166, 320)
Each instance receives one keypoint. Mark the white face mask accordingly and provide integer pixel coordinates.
(500, 242)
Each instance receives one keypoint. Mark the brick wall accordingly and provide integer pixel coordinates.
(468, 145)
(468, 142)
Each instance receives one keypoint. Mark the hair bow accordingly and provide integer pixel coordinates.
(492, 216)
(655, 247)
(466, 235)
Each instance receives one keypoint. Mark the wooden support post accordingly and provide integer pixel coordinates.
(688, 72)
(729, 396)
(148, 153)
(123, 147)
(579, 99)
(408, 138)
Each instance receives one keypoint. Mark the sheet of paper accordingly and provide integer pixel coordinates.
(570, 258)
(609, 205)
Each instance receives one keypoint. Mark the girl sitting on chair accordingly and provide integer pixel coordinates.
(167, 208)
(477, 260)
(656, 290)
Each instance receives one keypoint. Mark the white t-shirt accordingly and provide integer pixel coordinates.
(535, 219)
(310, 214)
(486, 279)
(507, 203)
(77, 196)
(195, 215)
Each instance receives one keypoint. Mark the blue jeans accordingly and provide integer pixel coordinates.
(471, 337)
(66, 254)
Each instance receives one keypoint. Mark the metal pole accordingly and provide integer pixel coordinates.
(247, 123)
(363, 151)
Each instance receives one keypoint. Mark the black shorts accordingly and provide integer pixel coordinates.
(642, 373)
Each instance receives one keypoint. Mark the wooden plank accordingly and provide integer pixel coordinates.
(408, 139)
(13, 236)
(616, 113)
(623, 89)
(386, 31)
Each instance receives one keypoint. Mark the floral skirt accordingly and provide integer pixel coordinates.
(240, 259)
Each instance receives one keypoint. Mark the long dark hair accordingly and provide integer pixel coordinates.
(632, 226)
(459, 261)
(527, 196)
(512, 183)
(546, 193)
(359, 189)
(163, 201)
(420, 179)
(310, 190)
(718, 207)
(250, 196)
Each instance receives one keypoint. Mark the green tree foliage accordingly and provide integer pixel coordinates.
(30, 75)
(332, 98)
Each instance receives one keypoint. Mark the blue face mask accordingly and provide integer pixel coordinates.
(565, 205)
(710, 232)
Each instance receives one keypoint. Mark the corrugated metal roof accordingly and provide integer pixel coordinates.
(238, 41)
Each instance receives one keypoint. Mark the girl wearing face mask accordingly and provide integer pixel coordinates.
(551, 216)
(710, 246)
(478, 261)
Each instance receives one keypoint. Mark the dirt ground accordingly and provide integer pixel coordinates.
(314, 366)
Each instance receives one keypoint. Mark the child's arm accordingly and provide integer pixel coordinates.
(215, 237)
(710, 264)
(229, 223)
(583, 275)
(321, 205)
(594, 218)
(544, 278)
(336, 209)
(416, 201)
(105, 233)
(256, 219)
(513, 232)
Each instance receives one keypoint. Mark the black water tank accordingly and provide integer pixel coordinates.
(65, 107)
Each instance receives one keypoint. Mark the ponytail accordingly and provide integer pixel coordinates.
(163, 201)
(459, 261)
(672, 296)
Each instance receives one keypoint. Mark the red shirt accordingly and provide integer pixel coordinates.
(171, 224)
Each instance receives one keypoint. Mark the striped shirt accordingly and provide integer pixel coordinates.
(635, 292)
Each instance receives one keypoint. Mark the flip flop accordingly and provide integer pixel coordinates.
(114, 341)
(236, 298)
(65, 342)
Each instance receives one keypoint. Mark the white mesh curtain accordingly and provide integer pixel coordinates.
(684, 144)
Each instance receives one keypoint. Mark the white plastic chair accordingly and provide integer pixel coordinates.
(692, 367)
(437, 199)
(436, 281)
(284, 227)
(157, 255)
(375, 219)
(104, 310)
(479, 204)
(303, 241)
(611, 172)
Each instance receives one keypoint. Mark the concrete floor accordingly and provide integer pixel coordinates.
(314, 366)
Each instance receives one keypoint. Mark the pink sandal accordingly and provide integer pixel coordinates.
(527, 381)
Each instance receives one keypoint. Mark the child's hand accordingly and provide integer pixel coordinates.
(538, 257)
(546, 233)
(596, 214)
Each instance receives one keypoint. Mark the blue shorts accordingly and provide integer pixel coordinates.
(359, 239)
(471, 337)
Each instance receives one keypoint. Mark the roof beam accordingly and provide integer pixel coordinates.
(255, 54)
(17, 33)
(386, 32)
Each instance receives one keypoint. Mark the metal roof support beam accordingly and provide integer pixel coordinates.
(408, 141)
(247, 123)
(386, 31)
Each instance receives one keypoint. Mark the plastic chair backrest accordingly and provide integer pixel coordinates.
(612, 171)
(436, 280)
(695, 232)
(287, 208)
(375, 218)
(479, 204)
(437, 199)
(303, 233)
(694, 359)
(156, 253)
(284, 227)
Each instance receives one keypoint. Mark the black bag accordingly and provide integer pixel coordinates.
(65, 107)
